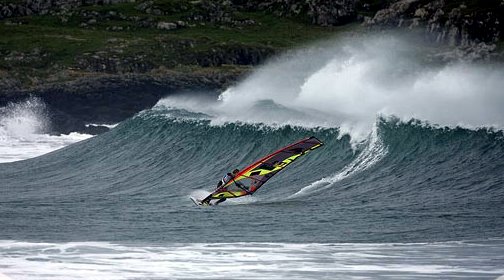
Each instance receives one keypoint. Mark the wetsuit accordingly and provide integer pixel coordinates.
(228, 177)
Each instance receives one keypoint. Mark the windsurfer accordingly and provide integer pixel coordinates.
(256, 174)
(228, 177)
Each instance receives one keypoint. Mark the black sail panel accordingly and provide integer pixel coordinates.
(255, 175)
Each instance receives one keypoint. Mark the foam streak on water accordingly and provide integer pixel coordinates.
(14, 149)
(99, 260)
(373, 152)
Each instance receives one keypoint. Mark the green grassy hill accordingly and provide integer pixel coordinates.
(145, 36)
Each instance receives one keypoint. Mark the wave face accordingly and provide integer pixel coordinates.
(408, 182)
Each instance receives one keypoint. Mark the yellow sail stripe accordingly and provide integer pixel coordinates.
(278, 166)
(229, 194)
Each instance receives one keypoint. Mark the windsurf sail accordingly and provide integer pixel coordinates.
(252, 177)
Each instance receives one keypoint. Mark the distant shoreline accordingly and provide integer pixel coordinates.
(113, 98)
(103, 61)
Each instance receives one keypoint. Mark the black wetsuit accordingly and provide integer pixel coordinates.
(228, 177)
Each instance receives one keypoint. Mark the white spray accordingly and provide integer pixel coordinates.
(22, 120)
(348, 84)
(22, 128)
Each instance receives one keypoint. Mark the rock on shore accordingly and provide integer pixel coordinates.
(44, 7)
(318, 12)
(474, 29)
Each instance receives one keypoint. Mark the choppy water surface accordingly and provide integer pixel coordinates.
(99, 260)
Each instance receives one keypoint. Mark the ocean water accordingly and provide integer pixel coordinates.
(409, 183)
(102, 260)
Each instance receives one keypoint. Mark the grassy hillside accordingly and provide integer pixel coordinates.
(128, 37)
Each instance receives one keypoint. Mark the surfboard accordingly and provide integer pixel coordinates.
(196, 201)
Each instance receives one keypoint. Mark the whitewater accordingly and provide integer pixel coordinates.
(23, 132)
(409, 183)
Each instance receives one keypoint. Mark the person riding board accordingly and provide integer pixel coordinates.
(228, 177)
(220, 186)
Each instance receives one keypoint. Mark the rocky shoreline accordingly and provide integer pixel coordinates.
(155, 48)
(472, 29)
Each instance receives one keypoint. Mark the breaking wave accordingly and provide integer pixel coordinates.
(413, 153)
